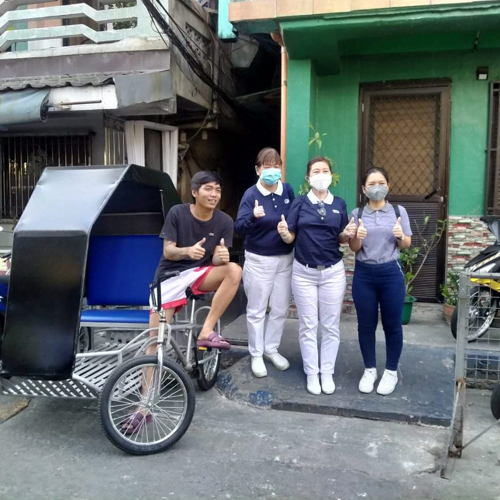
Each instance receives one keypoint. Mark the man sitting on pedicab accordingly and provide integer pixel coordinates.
(197, 238)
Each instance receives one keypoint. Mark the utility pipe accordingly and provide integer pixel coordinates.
(284, 99)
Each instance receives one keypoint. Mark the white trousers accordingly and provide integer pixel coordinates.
(318, 296)
(266, 280)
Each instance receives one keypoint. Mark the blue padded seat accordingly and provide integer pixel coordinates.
(132, 316)
(120, 268)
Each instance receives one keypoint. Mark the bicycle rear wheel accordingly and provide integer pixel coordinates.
(164, 412)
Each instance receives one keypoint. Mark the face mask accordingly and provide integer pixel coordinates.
(321, 182)
(270, 176)
(377, 193)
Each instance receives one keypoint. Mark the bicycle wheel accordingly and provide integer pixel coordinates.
(84, 339)
(482, 311)
(132, 389)
(209, 369)
(495, 402)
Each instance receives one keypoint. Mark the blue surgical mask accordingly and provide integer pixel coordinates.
(270, 176)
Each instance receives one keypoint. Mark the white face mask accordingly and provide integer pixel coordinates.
(321, 182)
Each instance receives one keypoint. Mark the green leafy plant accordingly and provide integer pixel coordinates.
(449, 290)
(316, 138)
(122, 25)
(316, 141)
(414, 258)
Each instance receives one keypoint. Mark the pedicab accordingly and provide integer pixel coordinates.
(84, 254)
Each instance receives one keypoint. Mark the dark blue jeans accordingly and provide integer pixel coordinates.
(384, 285)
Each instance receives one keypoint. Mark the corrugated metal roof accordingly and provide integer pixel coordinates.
(82, 80)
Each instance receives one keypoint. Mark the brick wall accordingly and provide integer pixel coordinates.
(467, 236)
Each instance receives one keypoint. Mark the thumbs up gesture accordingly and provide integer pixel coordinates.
(351, 229)
(258, 211)
(283, 227)
(397, 230)
(361, 235)
(197, 252)
(222, 252)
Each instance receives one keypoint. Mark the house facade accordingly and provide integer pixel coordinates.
(409, 85)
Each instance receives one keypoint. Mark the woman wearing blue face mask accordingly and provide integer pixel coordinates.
(268, 261)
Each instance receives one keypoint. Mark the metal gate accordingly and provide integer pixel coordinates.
(24, 158)
(405, 129)
(477, 358)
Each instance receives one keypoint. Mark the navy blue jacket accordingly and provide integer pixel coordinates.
(261, 235)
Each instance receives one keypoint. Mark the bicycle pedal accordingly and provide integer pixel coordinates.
(200, 348)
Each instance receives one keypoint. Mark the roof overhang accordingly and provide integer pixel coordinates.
(327, 38)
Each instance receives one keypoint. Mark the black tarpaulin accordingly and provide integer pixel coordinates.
(50, 254)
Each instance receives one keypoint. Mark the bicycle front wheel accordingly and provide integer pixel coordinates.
(141, 415)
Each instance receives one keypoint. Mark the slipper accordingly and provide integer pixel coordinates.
(214, 340)
(134, 422)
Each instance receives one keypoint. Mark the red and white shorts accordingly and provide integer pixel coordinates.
(173, 290)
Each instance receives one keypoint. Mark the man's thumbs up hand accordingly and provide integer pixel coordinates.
(197, 252)
(397, 230)
(223, 252)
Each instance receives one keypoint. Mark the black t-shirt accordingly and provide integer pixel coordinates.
(182, 227)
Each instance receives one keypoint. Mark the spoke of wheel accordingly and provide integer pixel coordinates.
(171, 395)
(123, 409)
(155, 426)
(162, 424)
(170, 413)
(139, 428)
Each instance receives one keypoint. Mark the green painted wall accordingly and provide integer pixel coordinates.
(302, 93)
(334, 111)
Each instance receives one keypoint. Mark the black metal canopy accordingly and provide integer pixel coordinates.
(49, 258)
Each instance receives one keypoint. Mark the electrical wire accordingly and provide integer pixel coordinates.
(189, 42)
(191, 59)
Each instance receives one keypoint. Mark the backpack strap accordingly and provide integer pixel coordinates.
(360, 212)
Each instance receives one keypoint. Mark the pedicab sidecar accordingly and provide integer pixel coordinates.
(87, 235)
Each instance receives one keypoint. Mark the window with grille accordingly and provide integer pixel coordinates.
(23, 160)
(493, 161)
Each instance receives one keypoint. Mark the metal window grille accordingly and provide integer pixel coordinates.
(115, 152)
(403, 137)
(23, 160)
(493, 159)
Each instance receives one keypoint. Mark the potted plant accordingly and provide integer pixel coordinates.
(449, 291)
(413, 258)
(409, 258)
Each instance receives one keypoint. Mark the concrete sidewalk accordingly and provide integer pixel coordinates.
(424, 393)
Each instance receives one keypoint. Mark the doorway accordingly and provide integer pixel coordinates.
(405, 128)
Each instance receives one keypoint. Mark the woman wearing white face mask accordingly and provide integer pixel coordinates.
(318, 223)
(268, 261)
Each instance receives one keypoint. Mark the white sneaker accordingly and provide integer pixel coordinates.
(277, 360)
(368, 380)
(313, 384)
(258, 366)
(387, 383)
(327, 384)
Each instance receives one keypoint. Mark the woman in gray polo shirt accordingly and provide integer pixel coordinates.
(383, 229)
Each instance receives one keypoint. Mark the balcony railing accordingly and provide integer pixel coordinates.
(23, 24)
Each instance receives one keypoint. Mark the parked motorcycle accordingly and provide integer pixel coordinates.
(485, 294)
